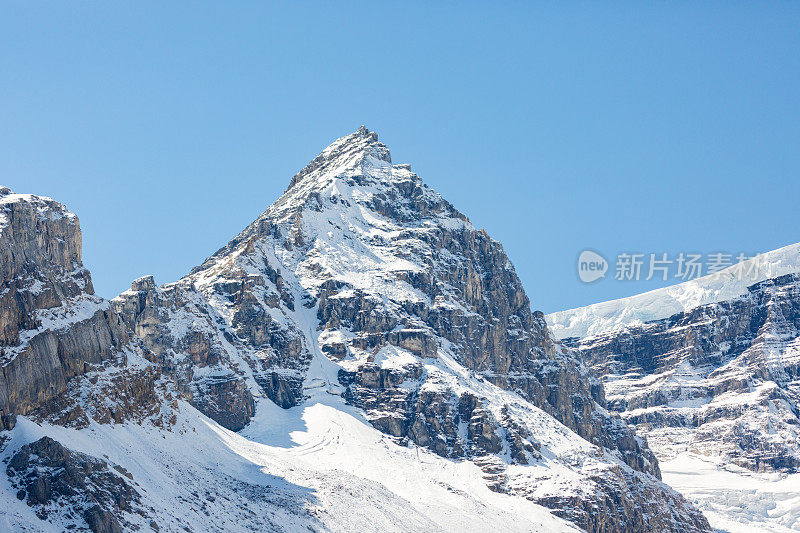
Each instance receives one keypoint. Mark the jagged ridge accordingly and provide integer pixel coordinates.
(360, 300)
(423, 324)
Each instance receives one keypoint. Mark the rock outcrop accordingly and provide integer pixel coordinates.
(52, 327)
(72, 488)
(67, 358)
(224, 340)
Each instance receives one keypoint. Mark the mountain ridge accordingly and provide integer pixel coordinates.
(660, 303)
(360, 313)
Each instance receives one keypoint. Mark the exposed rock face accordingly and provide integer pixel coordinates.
(223, 340)
(361, 281)
(196, 356)
(623, 492)
(721, 379)
(67, 358)
(113, 395)
(72, 488)
(52, 328)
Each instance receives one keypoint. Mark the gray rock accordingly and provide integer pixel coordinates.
(41, 272)
(740, 352)
(424, 315)
(54, 480)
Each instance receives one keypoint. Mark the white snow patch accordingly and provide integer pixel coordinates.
(734, 499)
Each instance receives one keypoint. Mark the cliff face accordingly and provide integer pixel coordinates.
(67, 359)
(53, 479)
(719, 380)
(52, 327)
(362, 283)
(189, 339)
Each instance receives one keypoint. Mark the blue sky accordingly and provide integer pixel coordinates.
(651, 127)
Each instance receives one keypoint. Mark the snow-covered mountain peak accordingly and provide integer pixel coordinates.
(361, 311)
(350, 191)
(359, 152)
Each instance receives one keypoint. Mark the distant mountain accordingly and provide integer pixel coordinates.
(665, 302)
(360, 357)
(714, 388)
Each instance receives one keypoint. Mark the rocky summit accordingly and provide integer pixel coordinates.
(360, 357)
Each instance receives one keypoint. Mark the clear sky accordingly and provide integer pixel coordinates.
(636, 126)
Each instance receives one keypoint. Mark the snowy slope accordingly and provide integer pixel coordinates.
(309, 468)
(734, 499)
(664, 302)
